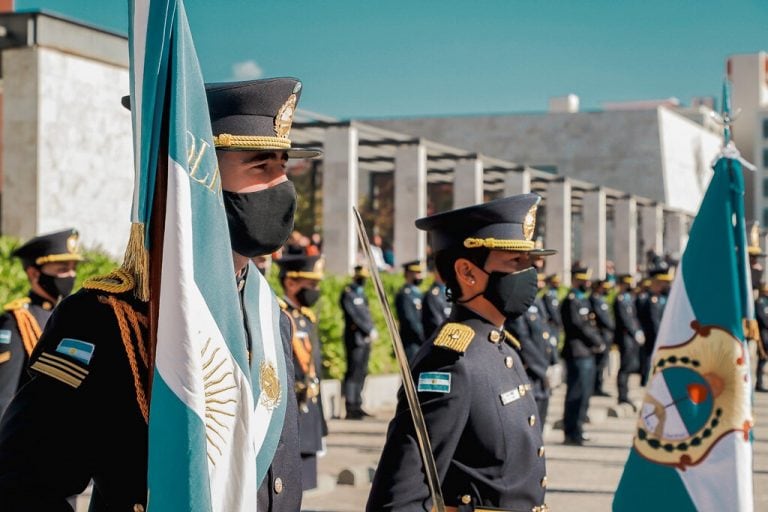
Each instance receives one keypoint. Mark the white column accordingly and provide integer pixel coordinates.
(410, 202)
(558, 228)
(625, 235)
(339, 195)
(675, 234)
(593, 236)
(468, 183)
(517, 182)
(653, 228)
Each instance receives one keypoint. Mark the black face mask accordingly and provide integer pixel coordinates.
(360, 281)
(308, 296)
(56, 287)
(417, 281)
(260, 222)
(512, 294)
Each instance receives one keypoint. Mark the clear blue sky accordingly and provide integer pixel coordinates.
(369, 58)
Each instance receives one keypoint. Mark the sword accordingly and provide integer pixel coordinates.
(425, 448)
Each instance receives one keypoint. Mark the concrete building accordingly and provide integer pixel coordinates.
(749, 75)
(650, 149)
(67, 151)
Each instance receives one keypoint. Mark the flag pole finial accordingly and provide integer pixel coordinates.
(726, 117)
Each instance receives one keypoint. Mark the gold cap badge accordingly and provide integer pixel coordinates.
(284, 117)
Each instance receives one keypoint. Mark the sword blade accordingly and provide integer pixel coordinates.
(425, 448)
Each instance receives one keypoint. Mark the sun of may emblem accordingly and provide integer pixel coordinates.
(693, 398)
(270, 385)
(220, 399)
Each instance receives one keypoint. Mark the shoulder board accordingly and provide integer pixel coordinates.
(117, 281)
(309, 314)
(16, 304)
(280, 302)
(456, 337)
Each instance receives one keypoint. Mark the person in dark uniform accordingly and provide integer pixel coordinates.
(533, 331)
(627, 336)
(582, 342)
(482, 420)
(605, 326)
(761, 315)
(650, 311)
(359, 334)
(435, 307)
(408, 307)
(90, 371)
(50, 262)
(300, 277)
(552, 304)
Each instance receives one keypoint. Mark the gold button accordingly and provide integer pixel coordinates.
(466, 499)
(531, 420)
(544, 481)
(508, 361)
(541, 451)
(521, 389)
(278, 485)
(494, 336)
(546, 335)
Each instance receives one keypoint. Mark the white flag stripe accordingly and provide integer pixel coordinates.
(675, 325)
(194, 360)
(263, 414)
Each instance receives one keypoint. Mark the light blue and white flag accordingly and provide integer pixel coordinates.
(215, 416)
(692, 449)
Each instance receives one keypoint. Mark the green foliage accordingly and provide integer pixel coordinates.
(13, 279)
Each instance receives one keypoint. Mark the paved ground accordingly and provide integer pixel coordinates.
(580, 478)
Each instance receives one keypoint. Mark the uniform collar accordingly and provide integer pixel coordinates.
(37, 300)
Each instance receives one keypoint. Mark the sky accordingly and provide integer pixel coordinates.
(394, 58)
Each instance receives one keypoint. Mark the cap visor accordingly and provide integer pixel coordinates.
(542, 252)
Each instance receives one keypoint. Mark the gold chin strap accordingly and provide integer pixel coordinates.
(228, 141)
(495, 243)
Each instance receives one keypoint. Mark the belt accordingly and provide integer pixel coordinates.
(539, 508)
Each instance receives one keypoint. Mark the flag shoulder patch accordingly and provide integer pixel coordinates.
(70, 370)
(5, 336)
(434, 382)
(76, 349)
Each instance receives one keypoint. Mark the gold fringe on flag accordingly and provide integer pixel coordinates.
(133, 274)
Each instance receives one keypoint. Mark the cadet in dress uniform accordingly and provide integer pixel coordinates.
(582, 342)
(482, 420)
(50, 262)
(300, 276)
(435, 307)
(627, 335)
(533, 331)
(650, 311)
(408, 307)
(359, 333)
(552, 305)
(89, 381)
(605, 325)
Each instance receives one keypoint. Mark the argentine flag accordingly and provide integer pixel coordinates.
(692, 449)
(215, 416)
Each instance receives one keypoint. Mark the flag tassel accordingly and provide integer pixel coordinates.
(136, 261)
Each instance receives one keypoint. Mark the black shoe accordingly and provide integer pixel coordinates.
(573, 441)
(600, 393)
(365, 414)
(761, 389)
(634, 407)
(354, 415)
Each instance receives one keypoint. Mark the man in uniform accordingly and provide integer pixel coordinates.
(359, 333)
(300, 276)
(650, 311)
(533, 331)
(482, 420)
(408, 306)
(582, 342)
(50, 262)
(605, 326)
(90, 368)
(627, 335)
(435, 307)
(552, 304)
(761, 315)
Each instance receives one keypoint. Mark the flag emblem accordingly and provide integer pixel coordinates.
(270, 385)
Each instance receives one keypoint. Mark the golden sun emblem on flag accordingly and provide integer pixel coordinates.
(697, 394)
(270, 385)
(220, 399)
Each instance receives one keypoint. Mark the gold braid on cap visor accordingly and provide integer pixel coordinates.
(226, 140)
(306, 275)
(53, 258)
(495, 243)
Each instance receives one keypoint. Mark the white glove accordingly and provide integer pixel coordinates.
(374, 335)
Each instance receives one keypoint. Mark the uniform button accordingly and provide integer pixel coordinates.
(278, 485)
(544, 481)
(508, 361)
(546, 335)
(494, 336)
(541, 451)
(531, 420)
(466, 499)
(521, 389)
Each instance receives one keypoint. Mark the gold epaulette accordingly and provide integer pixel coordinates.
(117, 281)
(16, 304)
(309, 314)
(512, 340)
(456, 337)
(280, 302)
